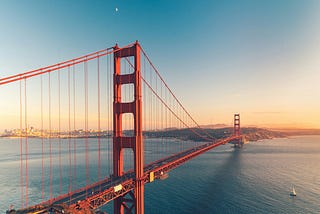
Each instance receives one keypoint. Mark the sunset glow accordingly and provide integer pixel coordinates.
(256, 58)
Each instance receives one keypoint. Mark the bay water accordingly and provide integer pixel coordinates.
(255, 179)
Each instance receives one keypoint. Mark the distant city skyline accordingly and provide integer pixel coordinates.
(256, 58)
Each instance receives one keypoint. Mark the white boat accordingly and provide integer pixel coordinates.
(163, 176)
(293, 192)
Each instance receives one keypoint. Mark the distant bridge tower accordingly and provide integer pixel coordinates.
(131, 201)
(236, 124)
(236, 130)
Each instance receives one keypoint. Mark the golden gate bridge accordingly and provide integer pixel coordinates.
(117, 99)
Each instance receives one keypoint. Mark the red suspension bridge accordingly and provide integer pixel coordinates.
(96, 129)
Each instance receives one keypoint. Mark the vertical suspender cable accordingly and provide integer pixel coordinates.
(144, 97)
(21, 148)
(74, 127)
(111, 111)
(171, 121)
(42, 140)
(50, 141)
(69, 133)
(59, 131)
(86, 123)
(179, 126)
(150, 101)
(99, 124)
(156, 105)
(26, 149)
(162, 116)
(167, 113)
(110, 116)
(108, 88)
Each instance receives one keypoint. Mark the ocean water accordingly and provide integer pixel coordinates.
(255, 179)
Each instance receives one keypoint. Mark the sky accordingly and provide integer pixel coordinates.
(259, 58)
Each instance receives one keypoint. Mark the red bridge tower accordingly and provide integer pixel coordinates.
(131, 200)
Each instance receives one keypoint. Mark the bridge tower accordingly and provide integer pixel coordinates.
(131, 201)
(236, 130)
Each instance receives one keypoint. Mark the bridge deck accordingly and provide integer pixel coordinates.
(102, 192)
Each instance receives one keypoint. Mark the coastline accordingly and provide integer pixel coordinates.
(250, 134)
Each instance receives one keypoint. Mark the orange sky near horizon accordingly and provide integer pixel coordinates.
(256, 58)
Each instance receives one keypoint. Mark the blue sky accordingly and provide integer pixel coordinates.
(256, 57)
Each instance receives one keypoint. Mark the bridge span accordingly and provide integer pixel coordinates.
(109, 189)
(116, 89)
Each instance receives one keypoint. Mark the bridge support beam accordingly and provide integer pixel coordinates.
(135, 142)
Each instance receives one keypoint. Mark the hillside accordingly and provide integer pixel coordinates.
(251, 134)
